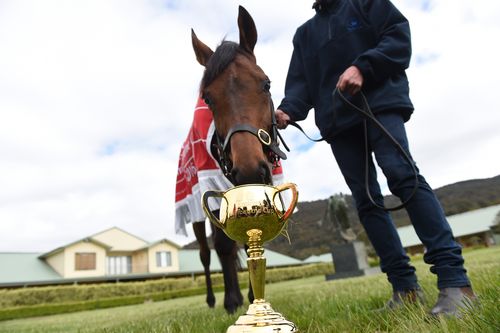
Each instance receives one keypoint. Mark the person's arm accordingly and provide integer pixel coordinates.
(393, 51)
(282, 119)
(297, 102)
(351, 80)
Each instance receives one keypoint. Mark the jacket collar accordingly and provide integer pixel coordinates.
(323, 5)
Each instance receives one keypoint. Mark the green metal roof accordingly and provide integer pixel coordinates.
(28, 268)
(189, 260)
(25, 267)
(325, 257)
(468, 223)
(276, 259)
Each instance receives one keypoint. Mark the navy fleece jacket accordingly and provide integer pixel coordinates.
(369, 34)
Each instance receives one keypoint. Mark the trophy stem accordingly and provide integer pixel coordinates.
(260, 317)
(256, 264)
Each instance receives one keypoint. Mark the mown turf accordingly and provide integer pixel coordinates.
(315, 305)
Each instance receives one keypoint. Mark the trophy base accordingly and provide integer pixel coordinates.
(261, 318)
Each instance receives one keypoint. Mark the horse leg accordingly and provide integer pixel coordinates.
(201, 237)
(250, 290)
(228, 255)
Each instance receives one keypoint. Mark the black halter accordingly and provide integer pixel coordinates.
(269, 142)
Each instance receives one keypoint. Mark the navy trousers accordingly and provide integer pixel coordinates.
(424, 210)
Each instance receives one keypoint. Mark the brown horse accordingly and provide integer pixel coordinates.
(236, 90)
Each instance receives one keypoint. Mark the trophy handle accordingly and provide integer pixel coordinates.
(295, 197)
(206, 209)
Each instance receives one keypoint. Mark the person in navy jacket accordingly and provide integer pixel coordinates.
(365, 45)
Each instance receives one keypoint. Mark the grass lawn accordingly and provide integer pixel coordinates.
(315, 305)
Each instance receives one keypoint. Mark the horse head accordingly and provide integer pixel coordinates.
(237, 92)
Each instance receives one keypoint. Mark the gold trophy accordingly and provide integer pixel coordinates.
(254, 214)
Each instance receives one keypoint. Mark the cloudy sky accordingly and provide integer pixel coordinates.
(96, 97)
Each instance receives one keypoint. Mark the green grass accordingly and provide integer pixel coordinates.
(315, 305)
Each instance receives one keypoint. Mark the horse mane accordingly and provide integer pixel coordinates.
(224, 54)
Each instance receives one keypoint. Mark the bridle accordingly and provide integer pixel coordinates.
(269, 142)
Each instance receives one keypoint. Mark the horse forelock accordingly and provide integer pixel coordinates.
(224, 54)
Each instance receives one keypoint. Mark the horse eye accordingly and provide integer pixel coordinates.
(206, 99)
(267, 85)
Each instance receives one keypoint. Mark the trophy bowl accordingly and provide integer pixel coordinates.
(254, 214)
(252, 207)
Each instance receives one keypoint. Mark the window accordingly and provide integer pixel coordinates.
(118, 265)
(84, 261)
(163, 259)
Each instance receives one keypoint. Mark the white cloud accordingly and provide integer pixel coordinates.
(96, 98)
(454, 129)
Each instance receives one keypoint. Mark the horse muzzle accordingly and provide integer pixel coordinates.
(260, 174)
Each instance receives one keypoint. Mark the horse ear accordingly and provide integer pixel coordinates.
(203, 52)
(248, 32)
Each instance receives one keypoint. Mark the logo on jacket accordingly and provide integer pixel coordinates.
(353, 24)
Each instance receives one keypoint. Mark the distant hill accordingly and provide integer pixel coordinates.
(310, 235)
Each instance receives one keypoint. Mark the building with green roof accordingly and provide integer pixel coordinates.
(469, 228)
(109, 256)
(116, 255)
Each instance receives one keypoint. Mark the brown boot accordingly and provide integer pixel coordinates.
(451, 301)
(401, 297)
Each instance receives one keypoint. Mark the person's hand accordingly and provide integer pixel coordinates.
(282, 119)
(350, 81)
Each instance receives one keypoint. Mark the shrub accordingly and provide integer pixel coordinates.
(49, 309)
(40, 301)
(87, 292)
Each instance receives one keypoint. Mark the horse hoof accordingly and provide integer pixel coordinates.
(240, 300)
(231, 310)
(233, 302)
(210, 301)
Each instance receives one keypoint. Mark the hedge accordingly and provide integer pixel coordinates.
(50, 309)
(88, 292)
(41, 301)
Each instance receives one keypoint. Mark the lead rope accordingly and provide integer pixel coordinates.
(367, 112)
